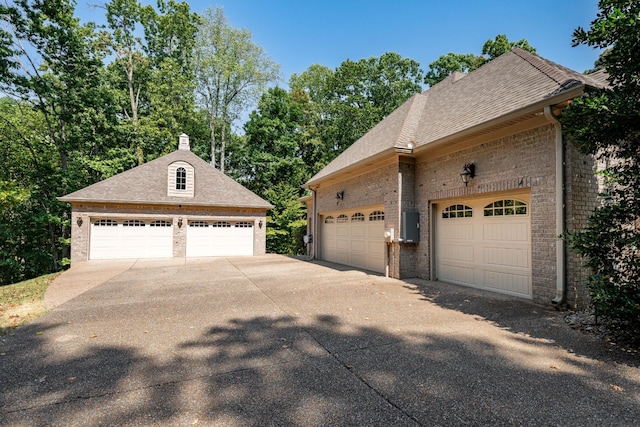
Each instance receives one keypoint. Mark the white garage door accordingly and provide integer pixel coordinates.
(219, 238)
(116, 239)
(486, 243)
(355, 238)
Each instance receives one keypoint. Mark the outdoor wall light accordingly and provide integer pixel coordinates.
(260, 224)
(468, 172)
(79, 221)
(180, 222)
(340, 195)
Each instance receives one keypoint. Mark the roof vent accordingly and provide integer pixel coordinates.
(184, 142)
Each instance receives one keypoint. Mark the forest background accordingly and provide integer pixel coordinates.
(82, 102)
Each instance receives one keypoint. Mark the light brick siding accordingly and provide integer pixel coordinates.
(524, 161)
(521, 161)
(581, 198)
(88, 211)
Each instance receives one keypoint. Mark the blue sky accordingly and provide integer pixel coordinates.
(299, 33)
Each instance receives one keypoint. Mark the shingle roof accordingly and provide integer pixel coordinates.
(512, 82)
(147, 184)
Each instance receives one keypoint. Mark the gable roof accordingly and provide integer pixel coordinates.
(147, 184)
(511, 83)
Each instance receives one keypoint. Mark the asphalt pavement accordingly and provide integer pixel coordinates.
(277, 341)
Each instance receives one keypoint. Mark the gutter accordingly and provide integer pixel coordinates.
(560, 244)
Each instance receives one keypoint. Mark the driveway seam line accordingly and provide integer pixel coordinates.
(333, 355)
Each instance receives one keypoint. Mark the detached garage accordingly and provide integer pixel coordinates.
(175, 206)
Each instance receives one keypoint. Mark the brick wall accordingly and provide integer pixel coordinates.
(581, 198)
(87, 211)
(522, 161)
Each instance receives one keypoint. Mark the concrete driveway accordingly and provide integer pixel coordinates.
(272, 340)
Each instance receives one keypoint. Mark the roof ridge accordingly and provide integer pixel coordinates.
(560, 74)
(412, 120)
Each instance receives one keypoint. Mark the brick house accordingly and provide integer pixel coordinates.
(470, 182)
(175, 206)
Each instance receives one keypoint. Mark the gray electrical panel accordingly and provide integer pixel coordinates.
(410, 228)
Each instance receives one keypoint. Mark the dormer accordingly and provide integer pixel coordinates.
(180, 182)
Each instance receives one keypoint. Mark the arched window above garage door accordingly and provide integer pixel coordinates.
(357, 217)
(198, 224)
(376, 216)
(105, 223)
(457, 211)
(342, 219)
(329, 220)
(506, 207)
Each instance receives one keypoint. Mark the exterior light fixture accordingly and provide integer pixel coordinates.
(468, 172)
(340, 195)
(260, 224)
(180, 222)
(79, 221)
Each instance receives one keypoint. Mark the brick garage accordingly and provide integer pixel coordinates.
(174, 206)
(502, 119)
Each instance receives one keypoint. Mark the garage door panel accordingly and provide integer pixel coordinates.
(453, 252)
(507, 257)
(510, 283)
(457, 274)
(457, 231)
(358, 246)
(477, 244)
(358, 232)
(219, 238)
(354, 238)
(136, 239)
(506, 232)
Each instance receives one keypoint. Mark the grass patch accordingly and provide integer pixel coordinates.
(23, 302)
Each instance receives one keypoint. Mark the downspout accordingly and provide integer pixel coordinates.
(314, 228)
(560, 244)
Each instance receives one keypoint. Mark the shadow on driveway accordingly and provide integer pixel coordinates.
(275, 341)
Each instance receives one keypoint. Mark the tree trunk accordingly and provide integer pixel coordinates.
(133, 98)
(212, 129)
(222, 145)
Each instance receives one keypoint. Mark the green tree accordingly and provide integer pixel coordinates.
(51, 71)
(155, 72)
(447, 64)
(360, 94)
(606, 124)
(272, 150)
(231, 71)
(286, 222)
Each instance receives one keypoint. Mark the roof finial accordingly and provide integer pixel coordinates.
(184, 142)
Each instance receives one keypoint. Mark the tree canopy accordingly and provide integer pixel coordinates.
(447, 64)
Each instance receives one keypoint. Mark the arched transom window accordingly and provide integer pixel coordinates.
(376, 216)
(357, 217)
(457, 211)
(506, 207)
(181, 178)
